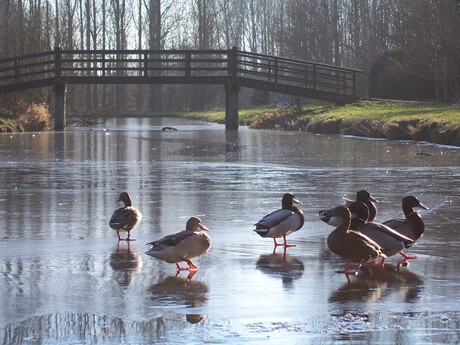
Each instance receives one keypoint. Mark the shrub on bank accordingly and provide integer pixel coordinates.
(36, 117)
(9, 126)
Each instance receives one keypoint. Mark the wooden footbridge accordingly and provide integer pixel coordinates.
(232, 68)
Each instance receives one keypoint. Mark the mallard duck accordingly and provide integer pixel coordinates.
(126, 218)
(182, 245)
(282, 222)
(359, 214)
(412, 226)
(351, 245)
(361, 196)
(390, 240)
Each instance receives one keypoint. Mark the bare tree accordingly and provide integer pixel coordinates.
(154, 11)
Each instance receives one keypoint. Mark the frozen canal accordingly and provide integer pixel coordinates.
(65, 279)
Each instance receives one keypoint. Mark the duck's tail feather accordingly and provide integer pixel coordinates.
(262, 231)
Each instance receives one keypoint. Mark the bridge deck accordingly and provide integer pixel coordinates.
(271, 73)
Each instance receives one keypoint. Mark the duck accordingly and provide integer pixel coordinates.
(361, 196)
(390, 240)
(412, 226)
(126, 218)
(359, 214)
(282, 222)
(183, 246)
(351, 245)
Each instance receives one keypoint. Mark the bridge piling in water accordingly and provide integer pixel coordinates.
(231, 106)
(59, 92)
(59, 107)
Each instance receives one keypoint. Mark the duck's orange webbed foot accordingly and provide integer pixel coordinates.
(127, 239)
(408, 257)
(284, 244)
(180, 268)
(380, 265)
(347, 271)
(191, 266)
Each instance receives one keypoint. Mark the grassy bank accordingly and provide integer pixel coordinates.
(434, 123)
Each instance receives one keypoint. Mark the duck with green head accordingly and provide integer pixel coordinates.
(282, 222)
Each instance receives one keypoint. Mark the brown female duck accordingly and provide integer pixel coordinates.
(125, 218)
(182, 245)
(351, 245)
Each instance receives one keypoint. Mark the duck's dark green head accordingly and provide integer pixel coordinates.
(363, 195)
(289, 200)
(411, 201)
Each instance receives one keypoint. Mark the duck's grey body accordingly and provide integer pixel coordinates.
(282, 222)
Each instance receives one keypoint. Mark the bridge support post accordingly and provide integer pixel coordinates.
(59, 107)
(231, 106)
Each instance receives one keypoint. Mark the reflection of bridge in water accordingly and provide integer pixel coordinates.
(232, 68)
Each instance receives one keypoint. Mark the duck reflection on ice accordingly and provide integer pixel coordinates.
(391, 282)
(124, 262)
(179, 291)
(281, 265)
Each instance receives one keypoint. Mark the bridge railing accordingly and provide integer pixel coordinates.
(98, 66)
(110, 63)
(297, 73)
(27, 68)
(144, 63)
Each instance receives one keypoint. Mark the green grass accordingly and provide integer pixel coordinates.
(385, 111)
(245, 116)
(395, 112)
(436, 123)
(391, 119)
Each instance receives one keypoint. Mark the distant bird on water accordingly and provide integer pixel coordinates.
(282, 222)
(126, 218)
(183, 245)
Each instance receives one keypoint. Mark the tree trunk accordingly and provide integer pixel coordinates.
(155, 99)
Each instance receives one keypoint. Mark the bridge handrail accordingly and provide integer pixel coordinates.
(280, 70)
(26, 56)
(304, 62)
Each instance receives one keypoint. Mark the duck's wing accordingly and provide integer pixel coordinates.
(366, 245)
(274, 218)
(124, 218)
(385, 229)
(172, 239)
(395, 223)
